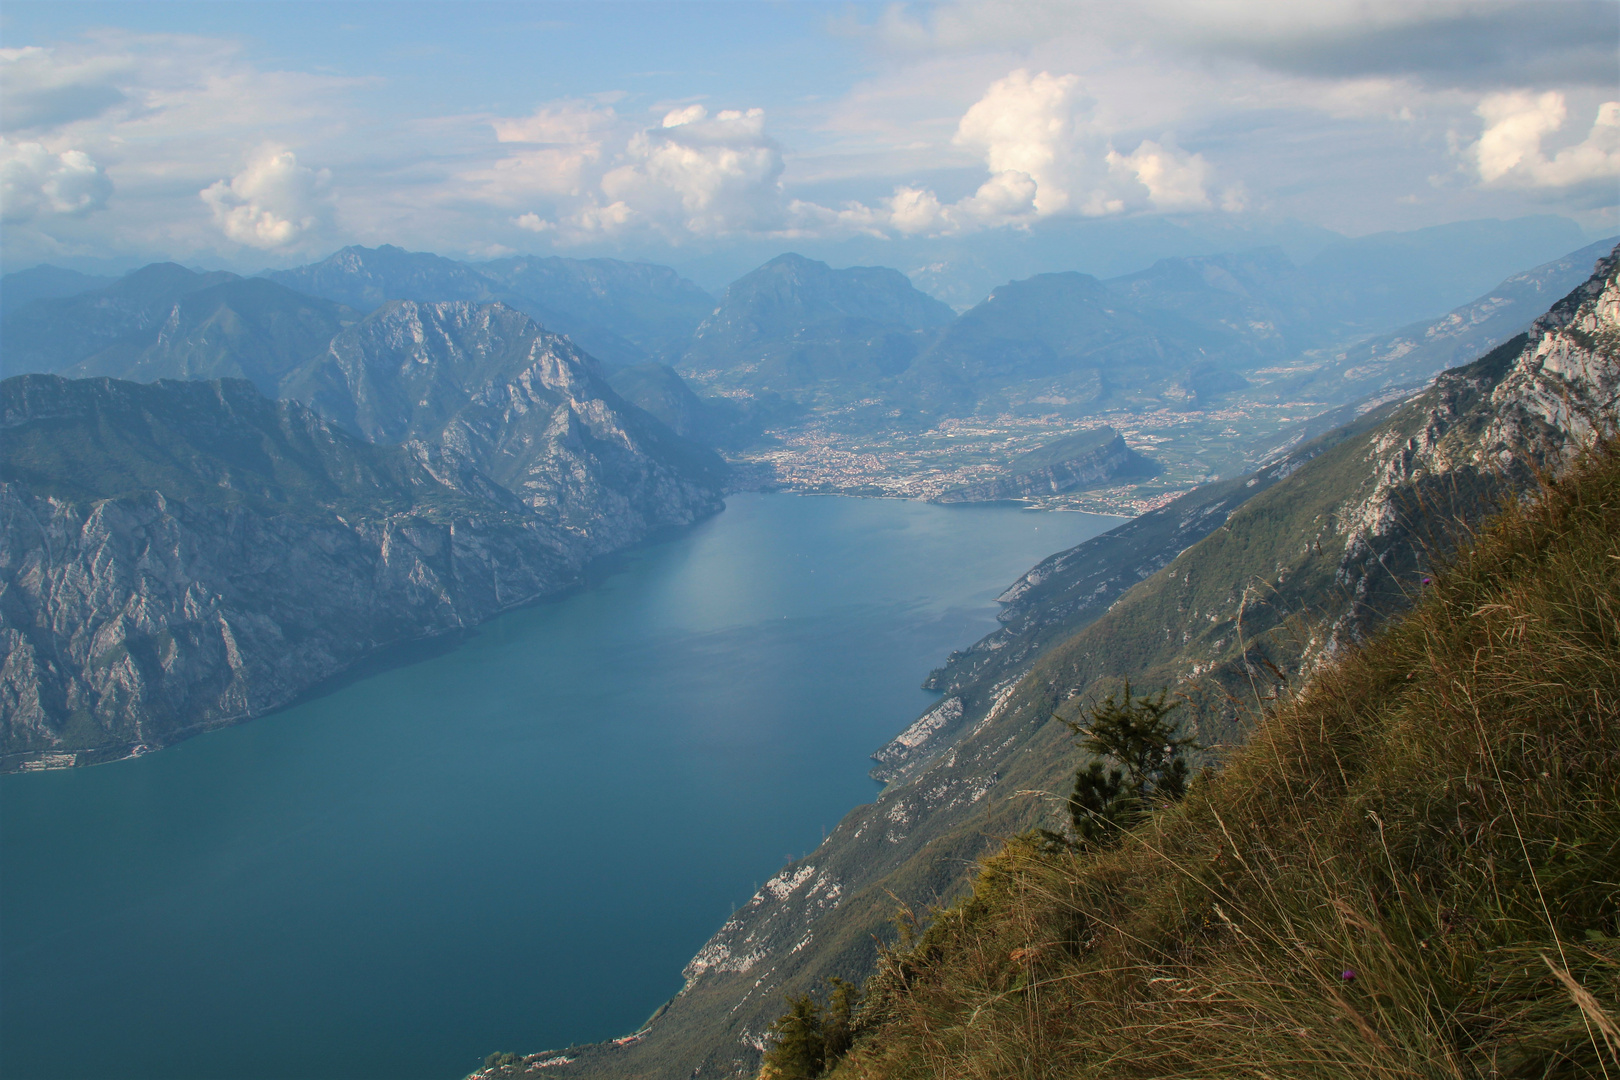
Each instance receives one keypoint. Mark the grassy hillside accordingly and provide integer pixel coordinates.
(1412, 869)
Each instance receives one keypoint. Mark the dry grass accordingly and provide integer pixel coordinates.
(1412, 871)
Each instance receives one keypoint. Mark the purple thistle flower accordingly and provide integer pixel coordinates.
(1427, 581)
(1347, 975)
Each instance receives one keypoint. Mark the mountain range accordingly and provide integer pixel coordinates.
(1184, 333)
(861, 345)
(513, 418)
(621, 313)
(220, 491)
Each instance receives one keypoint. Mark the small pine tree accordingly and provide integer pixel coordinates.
(1134, 733)
(808, 1040)
(838, 1027)
(799, 1044)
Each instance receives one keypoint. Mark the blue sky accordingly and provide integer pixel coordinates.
(251, 134)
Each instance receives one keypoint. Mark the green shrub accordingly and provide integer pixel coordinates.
(1133, 732)
(809, 1039)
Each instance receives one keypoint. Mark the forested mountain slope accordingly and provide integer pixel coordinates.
(1327, 544)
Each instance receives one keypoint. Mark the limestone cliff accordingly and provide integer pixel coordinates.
(183, 555)
(486, 390)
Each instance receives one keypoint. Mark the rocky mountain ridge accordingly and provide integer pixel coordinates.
(52, 332)
(1419, 351)
(244, 328)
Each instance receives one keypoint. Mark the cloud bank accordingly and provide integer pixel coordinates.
(696, 175)
(958, 119)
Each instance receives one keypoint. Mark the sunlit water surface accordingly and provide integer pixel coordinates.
(513, 844)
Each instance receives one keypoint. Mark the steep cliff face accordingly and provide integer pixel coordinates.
(183, 555)
(492, 392)
(1311, 551)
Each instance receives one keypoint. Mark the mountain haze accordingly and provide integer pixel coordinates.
(622, 313)
(50, 334)
(45, 282)
(797, 327)
(1421, 350)
(241, 329)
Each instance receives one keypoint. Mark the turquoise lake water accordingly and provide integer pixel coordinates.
(512, 844)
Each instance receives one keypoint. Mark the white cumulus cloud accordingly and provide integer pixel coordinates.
(1047, 156)
(272, 203)
(34, 182)
(1509, 151)
(706, 175)
(1174, 180)
(1028, 125)
(561, 146)
(586, 171)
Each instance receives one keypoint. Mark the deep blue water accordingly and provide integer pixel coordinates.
(514, 844)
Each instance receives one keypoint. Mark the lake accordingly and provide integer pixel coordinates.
(511, 844)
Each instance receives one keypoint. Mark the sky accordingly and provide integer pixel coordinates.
(246, 134)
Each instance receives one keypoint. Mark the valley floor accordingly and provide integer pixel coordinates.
(1190, 446)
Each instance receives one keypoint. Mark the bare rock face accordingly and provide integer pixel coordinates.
(1482, 432)
(183, 555)
(490, 391)
(1564, 389)
(133, 622)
